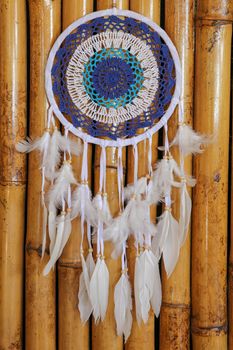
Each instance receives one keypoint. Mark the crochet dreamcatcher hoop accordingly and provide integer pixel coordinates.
(110, 75)
(133, 47)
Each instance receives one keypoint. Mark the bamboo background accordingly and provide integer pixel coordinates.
(40, 313)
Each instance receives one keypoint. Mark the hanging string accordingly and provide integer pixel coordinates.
(150, 170)
(120, 177)
(135, 153)
(84, 171)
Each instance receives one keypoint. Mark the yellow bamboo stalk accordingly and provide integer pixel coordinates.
(175, 311)
(40, 290)
(142, 337)
(104, 334)
(13, 80)
(230, 267)
(209, 238)
(72, 333)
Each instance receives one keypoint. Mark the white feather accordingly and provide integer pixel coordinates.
(185, 213)
(160, 237)
(57, 246)
(81, 200)
(156, 298)
(137, 283)
(118, 231)
(90, 264)
(123, 306)
(101, 206)
(45, 220)
(189, 141)
(53, 158)
(68, 145)
(135, 189)
(52, 226)
(171, 246)
(40, 144)
(66, 233)
(146, 283)
(99, 288)
(84, 303)
(58, 192)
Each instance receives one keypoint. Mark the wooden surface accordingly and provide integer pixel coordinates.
(40, 290)
(175, 311)
(209, 236)
(69, 323)
(13, 102)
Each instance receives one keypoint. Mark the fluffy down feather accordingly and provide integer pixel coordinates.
(81, 201)
(59, 190)
(189, 141)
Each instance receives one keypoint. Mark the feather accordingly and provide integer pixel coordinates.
(146, 284)
(99, 286)
(90, 264)
(118, 231)
(156, 298)
(189, 141)
(57, 246)
(123, 306)
(53, 156)
(101, 206)
(40, 144)
(81, 200)
(52, 226)
(171, 246)
(160, 237)
(67, 231)
(45, 220)
(59, 190)
(137, 273)
(68, 145)
(135, 189)
(84, 303)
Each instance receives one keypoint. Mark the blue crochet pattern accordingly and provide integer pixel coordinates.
(113, 77)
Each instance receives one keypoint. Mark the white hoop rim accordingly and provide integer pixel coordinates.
(118, 142)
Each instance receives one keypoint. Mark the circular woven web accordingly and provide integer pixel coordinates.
(112, 76)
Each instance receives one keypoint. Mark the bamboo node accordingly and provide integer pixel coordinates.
(98, 256)
(105, 194)
(90, 250)
(68, 210)
(102, 257)
(63, 213)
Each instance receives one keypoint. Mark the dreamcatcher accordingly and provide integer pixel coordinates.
(108, 75)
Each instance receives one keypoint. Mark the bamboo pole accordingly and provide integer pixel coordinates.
(230, 264)
(40, 290)
(142, 337)
(175, 311)
(209, 239)
(72, 333)
(104, 334)
(12, 170)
